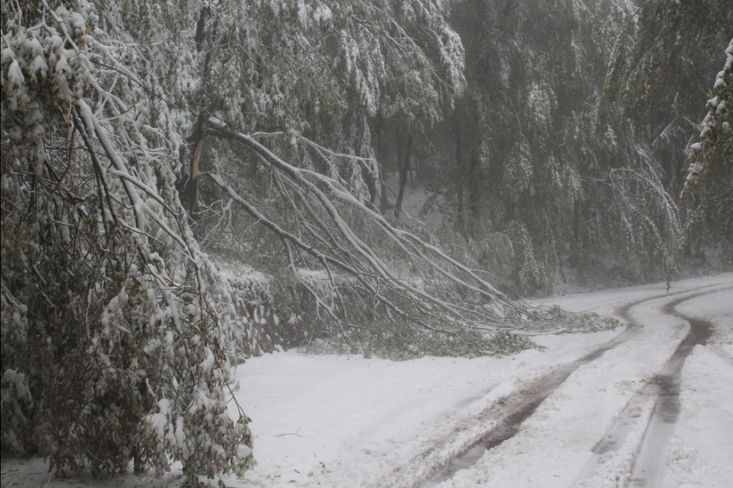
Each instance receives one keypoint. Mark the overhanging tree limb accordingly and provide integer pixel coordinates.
(341, 246)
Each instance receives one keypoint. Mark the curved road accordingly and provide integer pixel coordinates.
(603, 420)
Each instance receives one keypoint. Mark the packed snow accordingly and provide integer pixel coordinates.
(347, 421)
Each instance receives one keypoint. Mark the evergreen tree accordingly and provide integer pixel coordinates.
(710, 175)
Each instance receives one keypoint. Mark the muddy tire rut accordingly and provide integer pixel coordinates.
(660, 397)
(665, 386)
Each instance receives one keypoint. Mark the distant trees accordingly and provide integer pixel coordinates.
(568, 143)
(653, 114)
(522, 137)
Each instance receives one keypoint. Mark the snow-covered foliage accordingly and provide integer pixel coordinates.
(648, 224)
(717, 127)
(127, 162)
(113, 320)
(573, 128)
(652, 112)
(187, 184)
(709, 182)
(522, 135)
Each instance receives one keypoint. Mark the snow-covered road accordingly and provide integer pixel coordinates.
(609, 421)
(592, 410)
(648, 405)
(609, 424)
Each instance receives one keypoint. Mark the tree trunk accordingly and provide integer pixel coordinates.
(403, 169)
(459, 179)
(384, 204)
(381, 154)
(473, 185)
(189, 189)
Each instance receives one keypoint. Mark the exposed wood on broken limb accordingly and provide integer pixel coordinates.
(355, 247)
(189, 193)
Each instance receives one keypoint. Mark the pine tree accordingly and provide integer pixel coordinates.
(709, 183)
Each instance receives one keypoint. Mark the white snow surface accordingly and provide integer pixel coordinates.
(346, 421)
(700, 453)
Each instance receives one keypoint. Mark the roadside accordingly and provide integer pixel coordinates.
(339, 421)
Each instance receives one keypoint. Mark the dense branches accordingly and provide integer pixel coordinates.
(117, 324)
(709, 182)
(115, 320)
(712, 153)
(564, 157)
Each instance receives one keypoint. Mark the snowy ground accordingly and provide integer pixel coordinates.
(591, 410)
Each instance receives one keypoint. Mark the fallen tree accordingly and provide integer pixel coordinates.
(118, 327)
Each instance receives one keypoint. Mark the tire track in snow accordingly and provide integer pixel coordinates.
(648, 463)
(503, 418)
(629, 453)
(531, 398)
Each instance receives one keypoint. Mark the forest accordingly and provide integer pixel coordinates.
(187, 184)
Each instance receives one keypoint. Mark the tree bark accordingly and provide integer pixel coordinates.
(403, 169)
(459, 179)
(189, 190)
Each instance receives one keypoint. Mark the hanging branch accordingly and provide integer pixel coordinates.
(326, 235)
